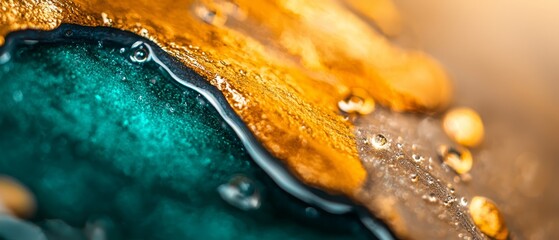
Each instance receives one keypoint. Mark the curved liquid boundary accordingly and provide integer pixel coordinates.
(278, 172)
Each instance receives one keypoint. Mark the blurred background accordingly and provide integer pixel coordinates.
(503, 58)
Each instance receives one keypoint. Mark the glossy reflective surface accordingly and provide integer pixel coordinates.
(107, 141)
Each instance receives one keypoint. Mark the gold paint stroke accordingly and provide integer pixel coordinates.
(282, 65)
(383, 13)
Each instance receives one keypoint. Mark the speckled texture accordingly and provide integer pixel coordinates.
(282, 66)
(93, 134)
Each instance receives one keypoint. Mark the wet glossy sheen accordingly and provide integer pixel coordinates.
(93, 134)
(273, 61)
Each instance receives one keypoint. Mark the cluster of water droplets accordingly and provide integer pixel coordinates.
(456, 158)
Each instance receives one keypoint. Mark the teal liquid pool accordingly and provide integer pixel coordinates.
(107, 141)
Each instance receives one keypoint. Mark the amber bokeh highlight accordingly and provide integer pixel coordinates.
(464, 126)
(488, 218)
(15, 198)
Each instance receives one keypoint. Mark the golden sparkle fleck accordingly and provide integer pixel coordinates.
(459, 159)
(464, 126)
(15, 198)
(488, 218)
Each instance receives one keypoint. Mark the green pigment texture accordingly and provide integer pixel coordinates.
(106, 143)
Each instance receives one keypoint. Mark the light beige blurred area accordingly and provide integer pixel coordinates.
(503, 57)
(506, 45)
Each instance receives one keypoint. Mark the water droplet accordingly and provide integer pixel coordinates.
(5, 57)
(417, 158)
(17, 96)
(140, 52)
(379, 141)
(464, 126)
(240, 192)
(210, 16)
(358, 101)
(122, 50)
(460, 160)
(414, 177)
(30, 42)
(463, 202)
(430, 180)
(311, 212)
(449, 200)
(431, 198)
(488, 218)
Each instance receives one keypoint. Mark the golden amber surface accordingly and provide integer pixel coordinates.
(282, 65)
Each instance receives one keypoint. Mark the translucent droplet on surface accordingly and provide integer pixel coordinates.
(449, 200)
(5, 57)
(417, 158)
(459, 159)
(414, 177)
(139, 52)
(430, 180)
(464, 126)
(210, 16)
(488, 218)
(240, 192)
(431, 197)
(357, 102)
(311, 212)
(379, 141)
(463, 202)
